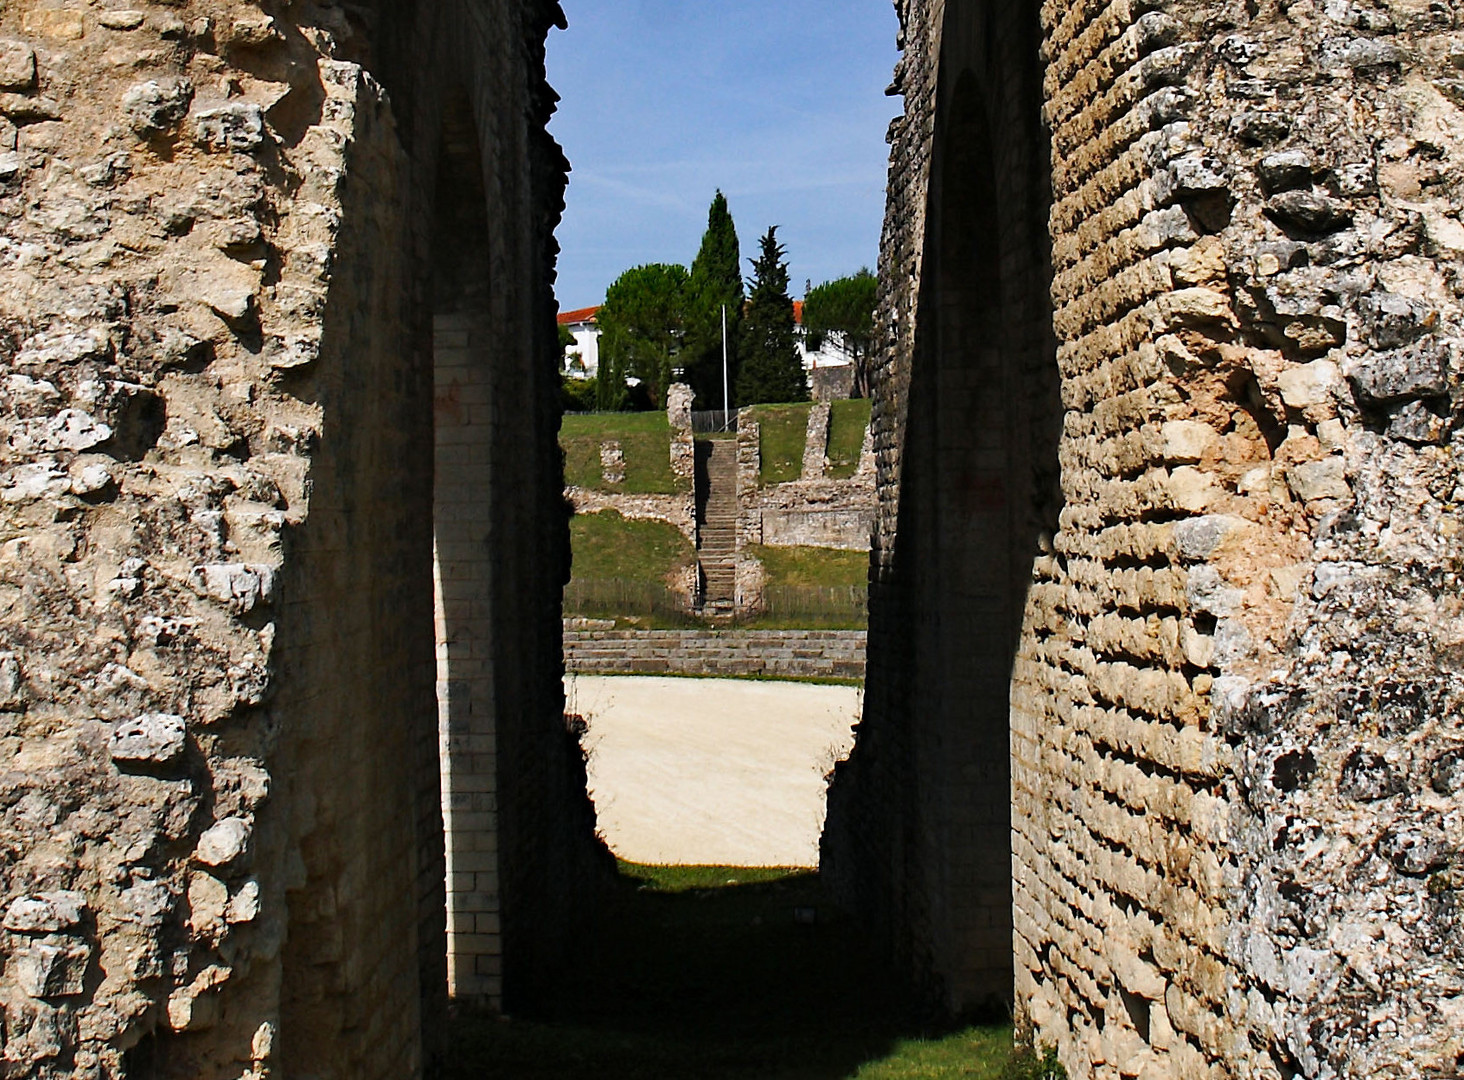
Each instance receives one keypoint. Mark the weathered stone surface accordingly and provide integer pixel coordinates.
(156, 105)
(237, 126)
(154, 739)
(48, 913)
(17, 66)
(1230, 661)
(240, 587)
(219, 244)
(223, 843)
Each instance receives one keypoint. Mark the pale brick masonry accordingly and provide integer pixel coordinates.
(1234, 711)
(802, 654)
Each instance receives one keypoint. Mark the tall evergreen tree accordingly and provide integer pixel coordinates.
(771, 368)
(716, 282)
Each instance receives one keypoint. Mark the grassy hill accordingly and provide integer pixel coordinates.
(645, 438)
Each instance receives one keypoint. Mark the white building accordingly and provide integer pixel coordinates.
(830, 353)
(582, 359)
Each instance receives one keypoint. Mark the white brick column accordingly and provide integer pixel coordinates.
(466, 710)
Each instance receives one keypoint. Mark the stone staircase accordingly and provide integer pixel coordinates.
(717, 530)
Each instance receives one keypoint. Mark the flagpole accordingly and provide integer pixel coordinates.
(726, 395)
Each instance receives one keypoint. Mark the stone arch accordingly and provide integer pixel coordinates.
(967, 424)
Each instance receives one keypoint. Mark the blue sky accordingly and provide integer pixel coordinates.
(780, 103)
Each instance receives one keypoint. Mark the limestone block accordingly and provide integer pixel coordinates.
(24, 109)
(156, 105)
(1193, 490)
(1309, 385)
(1200, 538)
(244, 905)
(89, 479)
(195, 1007)
(17, 66)
(41, 480)
(52, 968)
(236, 126)
(69, 430)
(1325, 479)
(153, 739)
(55, 24)
(223, 843)
(1208, 593)
(48, 913)
(11, 687)
(1187, 441)
(238, 586)
(123, 19)
(250, 31)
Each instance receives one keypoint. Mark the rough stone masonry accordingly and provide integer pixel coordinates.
(1183, 280)
(260, 265)
(1162, 732)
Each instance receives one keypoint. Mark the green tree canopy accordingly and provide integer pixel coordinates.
(641, 325)
(771, 369)
(844, 308)
(716, 283)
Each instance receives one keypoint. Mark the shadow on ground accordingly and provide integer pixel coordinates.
(712, 973)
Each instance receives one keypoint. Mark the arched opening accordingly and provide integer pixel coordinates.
(463, 504)
(920, 820)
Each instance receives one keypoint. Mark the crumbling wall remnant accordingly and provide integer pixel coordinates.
(223, 820)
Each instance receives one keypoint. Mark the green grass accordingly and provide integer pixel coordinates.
(847, 423)
(826, 567)
(784, 432)
(807, 680)
(607, 545)
(686, 977)
(649, 877)
(975, 1052)
(644, 437)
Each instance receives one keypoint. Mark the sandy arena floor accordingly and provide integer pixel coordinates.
(712, 771)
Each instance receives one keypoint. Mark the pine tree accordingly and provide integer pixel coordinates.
(771, 368)
(845, 308)
(641, 325)
(716, 282)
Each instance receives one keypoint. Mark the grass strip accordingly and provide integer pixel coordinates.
(848, 422)
(645, 439)
(783, 433)
(607, 546)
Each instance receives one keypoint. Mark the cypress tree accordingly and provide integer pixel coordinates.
(716, 280)
(771, 368)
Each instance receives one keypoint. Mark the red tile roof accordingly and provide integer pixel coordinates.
(582, 315)
(798, 312)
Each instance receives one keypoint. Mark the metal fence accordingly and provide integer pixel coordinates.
(608, 597)
(804, 605)
(709, 423)
(816, 604)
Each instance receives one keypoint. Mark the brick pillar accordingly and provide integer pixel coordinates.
(466, 714)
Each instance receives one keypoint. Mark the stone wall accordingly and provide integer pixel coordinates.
(812, 511)
(1233, 652)
(216, 529)
(804, 654)
(678, 509)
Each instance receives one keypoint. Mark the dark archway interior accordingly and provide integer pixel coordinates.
(919, 832)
